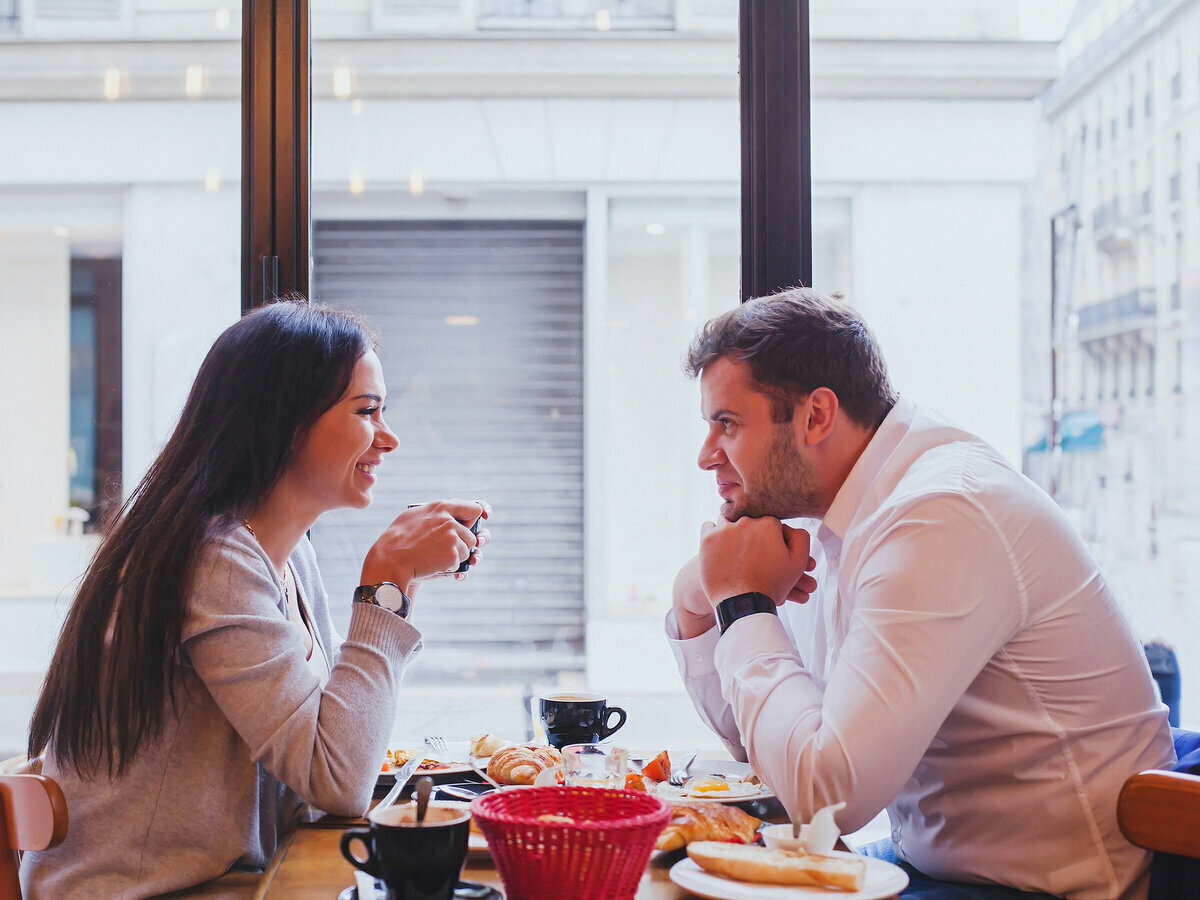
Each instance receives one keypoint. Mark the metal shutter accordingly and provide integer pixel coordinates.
(492, 410)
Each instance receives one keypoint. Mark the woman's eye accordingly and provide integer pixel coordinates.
(368, 411)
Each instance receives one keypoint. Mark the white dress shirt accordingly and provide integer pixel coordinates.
(963, 663)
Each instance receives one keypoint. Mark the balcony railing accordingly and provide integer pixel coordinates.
(1176, 86)
(1120, 310)
(1147, 202)
(1173, 192)
(1111, 228)
(1176, 296)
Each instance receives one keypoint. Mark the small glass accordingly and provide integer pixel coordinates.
(595, 765)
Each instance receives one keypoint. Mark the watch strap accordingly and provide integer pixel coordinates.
(731, 609)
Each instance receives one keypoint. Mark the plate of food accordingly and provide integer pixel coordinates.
(451, 761)
(721, 781)
(727, 871)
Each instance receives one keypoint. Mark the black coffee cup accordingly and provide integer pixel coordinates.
(415, 862)
(577, 717)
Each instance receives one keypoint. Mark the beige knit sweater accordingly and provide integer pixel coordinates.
(255, 745)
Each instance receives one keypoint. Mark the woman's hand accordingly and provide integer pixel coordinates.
(427, 541)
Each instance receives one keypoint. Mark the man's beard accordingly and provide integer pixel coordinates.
(785, 485)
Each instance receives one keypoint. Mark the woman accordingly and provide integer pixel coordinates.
(198, 703)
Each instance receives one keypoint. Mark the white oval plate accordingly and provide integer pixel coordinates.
(668, 792)
(883, 880)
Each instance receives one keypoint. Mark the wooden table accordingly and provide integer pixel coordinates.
(309, 866)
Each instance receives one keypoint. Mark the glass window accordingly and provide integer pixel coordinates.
(537, 232)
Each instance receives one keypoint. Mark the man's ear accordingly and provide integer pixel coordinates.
(815, 416)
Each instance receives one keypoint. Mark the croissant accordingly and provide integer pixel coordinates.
(701, 821)
(522, 763)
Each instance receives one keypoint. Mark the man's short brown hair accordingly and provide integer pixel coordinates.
(796, 341)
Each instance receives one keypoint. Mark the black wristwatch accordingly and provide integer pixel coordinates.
(734, 608)
(386, 594)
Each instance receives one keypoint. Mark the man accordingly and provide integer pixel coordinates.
(962, 661)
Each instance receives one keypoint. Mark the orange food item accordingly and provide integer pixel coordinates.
(635, 782)
(659, 768)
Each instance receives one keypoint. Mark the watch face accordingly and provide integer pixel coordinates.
(389, 596)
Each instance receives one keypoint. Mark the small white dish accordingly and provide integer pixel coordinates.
(817, 837)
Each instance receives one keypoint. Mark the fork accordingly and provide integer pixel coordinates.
(678, 777)
(436, 743)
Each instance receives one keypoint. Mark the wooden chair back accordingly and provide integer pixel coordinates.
(33, 816)
(1160, 811)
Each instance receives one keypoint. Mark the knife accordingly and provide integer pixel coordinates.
(402, 777)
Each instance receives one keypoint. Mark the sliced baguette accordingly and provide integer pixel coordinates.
(749, 862)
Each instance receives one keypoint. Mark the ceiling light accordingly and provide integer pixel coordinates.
(343, 82)
(212, 179)
(193, 81)
(61, 231)
(656, 228)
(416, 182)
(112, 84)
(356, 106)
(461, 320)
(358, 183)
(224, 18)
(603, 20)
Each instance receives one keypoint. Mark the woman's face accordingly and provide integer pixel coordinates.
(335, 466)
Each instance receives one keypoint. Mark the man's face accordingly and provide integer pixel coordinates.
(759, 464)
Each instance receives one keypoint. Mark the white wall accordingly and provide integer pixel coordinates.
(182, 287)
(937, 191)
(35, 372)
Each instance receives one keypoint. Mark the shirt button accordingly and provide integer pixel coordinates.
(896, 835)
(699, 657)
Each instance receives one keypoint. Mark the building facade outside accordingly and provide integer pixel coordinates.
(1123, 177)
(579, 167)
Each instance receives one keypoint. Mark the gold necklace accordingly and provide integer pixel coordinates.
(283, 579)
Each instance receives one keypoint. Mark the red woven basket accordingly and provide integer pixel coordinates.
(600, 854)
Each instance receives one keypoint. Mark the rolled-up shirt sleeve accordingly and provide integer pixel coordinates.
(934, 597)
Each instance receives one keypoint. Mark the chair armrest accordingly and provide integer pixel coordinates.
(1161, 811)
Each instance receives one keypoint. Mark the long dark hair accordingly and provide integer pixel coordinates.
(260, 389)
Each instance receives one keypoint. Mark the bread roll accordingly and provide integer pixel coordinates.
(701, 821)
(761, 865)
(521, 764)
(485, 744)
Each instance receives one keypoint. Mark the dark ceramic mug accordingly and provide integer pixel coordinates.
(415, 862)
(577, 717)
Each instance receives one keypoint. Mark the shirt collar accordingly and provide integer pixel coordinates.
(854, 489)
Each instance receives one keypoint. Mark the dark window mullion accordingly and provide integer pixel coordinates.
(776, 161)
(275, 153)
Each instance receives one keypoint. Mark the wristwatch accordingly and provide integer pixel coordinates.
(386, 594)
(731, 609)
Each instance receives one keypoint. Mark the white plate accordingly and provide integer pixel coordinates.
(455, 752)
(730, 768)
(883, 880)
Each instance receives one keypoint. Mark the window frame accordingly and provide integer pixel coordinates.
(276, 127)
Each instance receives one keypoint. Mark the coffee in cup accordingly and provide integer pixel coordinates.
(577, 717)
(414, 862)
